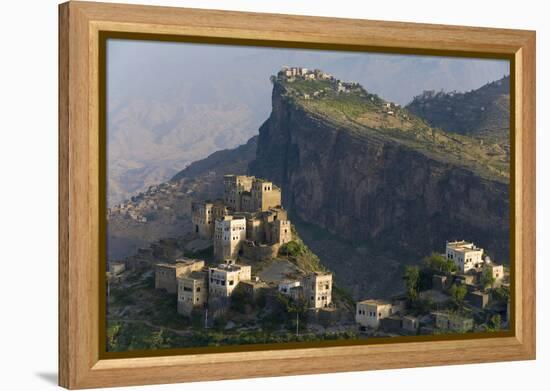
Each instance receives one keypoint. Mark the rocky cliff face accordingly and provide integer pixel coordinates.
(375, 190)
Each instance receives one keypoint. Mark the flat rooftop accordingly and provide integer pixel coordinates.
(181, 262)
(463, 246)
(374, 302)
(228, 268)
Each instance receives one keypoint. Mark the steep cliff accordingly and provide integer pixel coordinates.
(373, 174)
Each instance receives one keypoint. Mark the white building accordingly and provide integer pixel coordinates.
(368, 313)
(318, 289)
(465, 255)
(224, 278)
(229, 233)
(497, 271)
(285, 286)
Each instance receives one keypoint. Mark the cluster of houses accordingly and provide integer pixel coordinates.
(199, 287)
(394, 317)
(292, 74)
(249, 222)
(139, 205)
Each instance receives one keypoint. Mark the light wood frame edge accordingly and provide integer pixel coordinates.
(79, 364)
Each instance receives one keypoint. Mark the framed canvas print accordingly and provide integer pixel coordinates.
(246, 195)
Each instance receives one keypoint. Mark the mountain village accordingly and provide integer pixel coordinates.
(462, 290)
(235, 270)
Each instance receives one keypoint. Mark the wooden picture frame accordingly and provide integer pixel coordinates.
(81, 161)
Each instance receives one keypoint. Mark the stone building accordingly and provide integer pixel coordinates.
(270, 227)
(204, 215)
(234, 186)
(265, 195)
(478, 299)
(317, 289)
(224, 278)
(497, 271)
(368, 313)
(250, 194)
(252, 288)
(453, 322)
(280, 232)
(286, 286)
(410, 324)
(192, 291)
(465, 255)
(229, 234)
(166, 274)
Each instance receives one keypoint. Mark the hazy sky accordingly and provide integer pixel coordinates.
(156, 68)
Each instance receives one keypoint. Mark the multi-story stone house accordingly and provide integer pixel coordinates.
(270, 227)
(497, 271)
(369, 313)
(192, 291)
(251, 211)
(317, 289)
(204, 215)
(250, 194)
(166, 274)
(234, 186)
(280, 232)
(229, 234)
(223, 279)
(265, 195)
(465, 255)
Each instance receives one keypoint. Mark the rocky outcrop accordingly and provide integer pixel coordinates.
(376, 190)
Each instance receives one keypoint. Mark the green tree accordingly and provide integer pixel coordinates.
(240, 300)
(458, 292)
(412, 276)
(494, 323)
(292, 249)
(157, 339)
(439, 263)
(297, 310)
(501, 294)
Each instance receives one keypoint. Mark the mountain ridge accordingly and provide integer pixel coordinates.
(302, 151)
(482, 113)
(375, 186)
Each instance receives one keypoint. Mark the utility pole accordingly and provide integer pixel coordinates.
(206, 318)
(297, 320)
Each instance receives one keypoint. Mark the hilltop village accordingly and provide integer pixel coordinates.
(244, 272)
(329, 85)
(249, 223)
